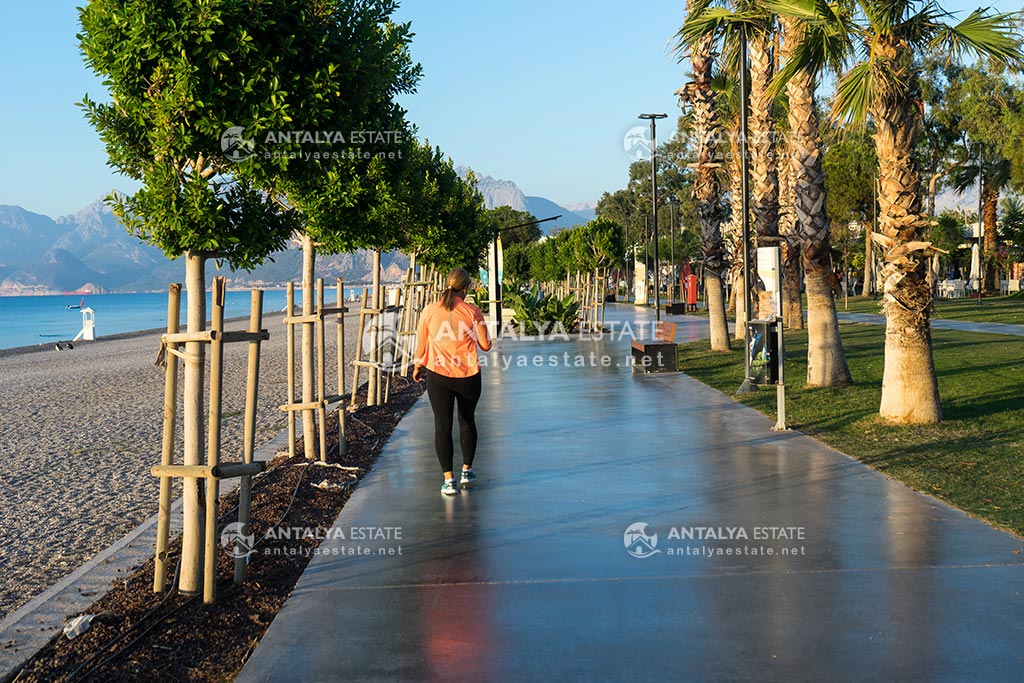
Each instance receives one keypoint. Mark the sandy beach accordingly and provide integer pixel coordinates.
(79, 432)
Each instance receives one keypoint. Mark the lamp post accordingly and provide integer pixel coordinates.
(747, 386)
(654, 207)
(981, 232)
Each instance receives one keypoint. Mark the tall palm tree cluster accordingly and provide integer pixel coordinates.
(873, 50)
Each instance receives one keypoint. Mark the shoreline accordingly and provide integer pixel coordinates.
(119, 336)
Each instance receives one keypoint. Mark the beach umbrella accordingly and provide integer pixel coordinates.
(975, 265)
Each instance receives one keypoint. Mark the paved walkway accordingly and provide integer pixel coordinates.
(528, 577)
(941, 324)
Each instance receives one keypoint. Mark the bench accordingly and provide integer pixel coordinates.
(658, 354)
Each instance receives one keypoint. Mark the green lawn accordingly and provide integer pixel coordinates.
(996, 309)
(973, 459)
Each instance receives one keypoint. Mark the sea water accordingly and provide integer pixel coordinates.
(32, 320)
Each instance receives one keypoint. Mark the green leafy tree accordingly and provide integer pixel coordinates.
(184, 79)
(500, 218)
(596, 244)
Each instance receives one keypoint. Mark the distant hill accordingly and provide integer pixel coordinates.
(91, 251)
(507, 193)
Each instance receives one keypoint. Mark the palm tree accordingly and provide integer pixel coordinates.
(886, 36)
(826, 358)
(707, 188)
(996, 172)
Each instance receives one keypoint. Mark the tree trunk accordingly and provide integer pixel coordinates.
(826, 359)
(792, 304)
(763, 160)
(868, 261)
(308, 292)
(989, 203)
(910, 392)
(716, 310)
(707, 189)
(193, 492)
(741, 309)
(373, 377)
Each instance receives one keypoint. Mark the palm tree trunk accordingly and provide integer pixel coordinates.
(792, 297)
(734, 232)
(792, 308)
(763, 160)
(826, 359)
(707, 189)
(910, 392)
(989, 204)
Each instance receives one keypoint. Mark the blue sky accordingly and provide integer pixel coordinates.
(538, 92)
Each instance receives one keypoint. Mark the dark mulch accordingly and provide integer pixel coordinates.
(144, 636)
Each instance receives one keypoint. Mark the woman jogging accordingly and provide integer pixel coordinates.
(447, 337)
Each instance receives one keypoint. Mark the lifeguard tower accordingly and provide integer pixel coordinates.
(88, 332)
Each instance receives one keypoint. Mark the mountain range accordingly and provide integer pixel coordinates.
(507, 193)
(91, 251)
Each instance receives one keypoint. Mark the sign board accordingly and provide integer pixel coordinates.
(640, 283)
(769, 269)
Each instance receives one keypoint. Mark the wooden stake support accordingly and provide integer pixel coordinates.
(318, 406)
(213, 470)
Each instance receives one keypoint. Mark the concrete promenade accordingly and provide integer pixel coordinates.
(775, 557)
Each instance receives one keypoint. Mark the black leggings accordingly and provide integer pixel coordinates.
(443, 392)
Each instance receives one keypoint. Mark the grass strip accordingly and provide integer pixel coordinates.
(996, 309)
(973, 459)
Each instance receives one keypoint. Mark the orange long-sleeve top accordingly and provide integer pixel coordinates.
(446, 341)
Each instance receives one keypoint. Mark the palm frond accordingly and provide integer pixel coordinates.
(824, 44)
(717, 20)
(982, 34)
(855, 92)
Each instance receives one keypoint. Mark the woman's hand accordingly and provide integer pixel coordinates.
(416, 374)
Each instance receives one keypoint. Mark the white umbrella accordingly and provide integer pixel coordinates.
(975, 266)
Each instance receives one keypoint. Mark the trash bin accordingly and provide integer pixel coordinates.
(763, 351)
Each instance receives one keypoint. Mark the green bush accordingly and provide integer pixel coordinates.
(536, 312)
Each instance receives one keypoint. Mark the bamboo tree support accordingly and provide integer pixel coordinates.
(308, 342)
(357, 361)
(406, 315)
(167, 454)
(340, 332)
(393, 347)
(213, 470)
(321, 379)
(373, 370)
(290, 397)
(213, 442)
(252, 390)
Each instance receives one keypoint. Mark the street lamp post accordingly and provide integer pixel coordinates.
(654, 206)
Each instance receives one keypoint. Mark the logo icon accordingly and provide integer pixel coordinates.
(637, 143)
(638, 542)
(235, 542)
(235, 145)
(391, 343)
